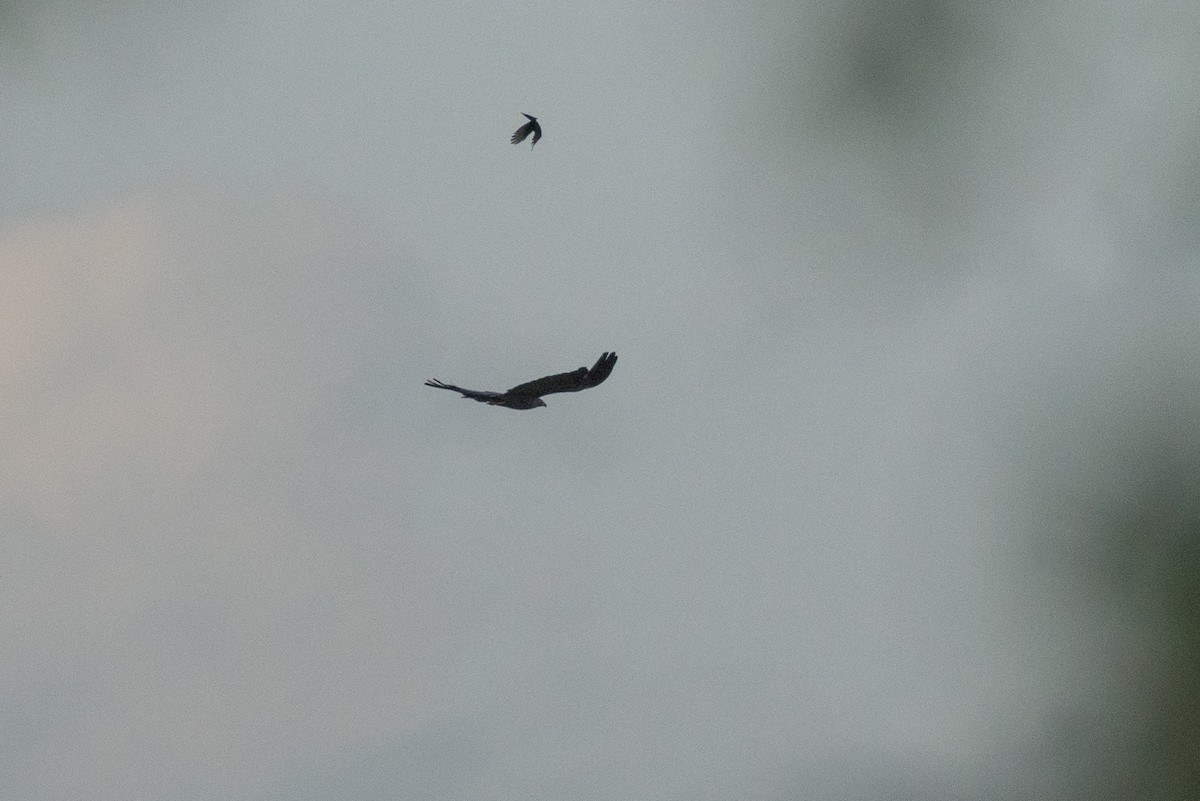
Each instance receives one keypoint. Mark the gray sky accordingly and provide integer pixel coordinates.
(887, 282)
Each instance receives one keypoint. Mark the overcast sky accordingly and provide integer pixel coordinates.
(887, 282)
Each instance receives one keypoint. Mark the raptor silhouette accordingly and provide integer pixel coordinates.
(529, 394)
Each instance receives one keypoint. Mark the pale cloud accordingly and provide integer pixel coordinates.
(98, 390)
(63, 278)
(115, 426)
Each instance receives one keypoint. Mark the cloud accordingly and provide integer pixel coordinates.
(785, 551)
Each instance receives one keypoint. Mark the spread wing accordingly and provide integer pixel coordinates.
(524, 131)
(574, 381)
(473, 394)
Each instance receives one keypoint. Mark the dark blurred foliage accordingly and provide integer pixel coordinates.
(901, 54)
(1129, 545)
(888, 68)
(1118, 536)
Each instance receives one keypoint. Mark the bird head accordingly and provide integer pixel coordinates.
(529, 116)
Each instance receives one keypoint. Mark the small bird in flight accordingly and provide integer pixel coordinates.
(528, 395)
(526, 129)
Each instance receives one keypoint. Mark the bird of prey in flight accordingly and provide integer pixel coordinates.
(528, 395)
(530, 127)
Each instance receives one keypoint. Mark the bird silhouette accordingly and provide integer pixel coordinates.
(529, 395)
(526, 129)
